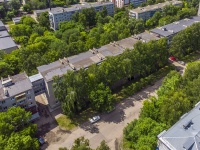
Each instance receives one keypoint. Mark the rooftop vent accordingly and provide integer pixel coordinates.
(6, 82)
(187, 124)
(172, 31)
(186, 19)
(176, 22)
(61, 61)
(72, 66)
(66, 59)
(5, 92)
(164, 29)
(185, 26)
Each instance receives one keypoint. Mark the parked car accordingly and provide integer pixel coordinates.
(41, 140)
(94, 119)
(172, 58)
(111, 110)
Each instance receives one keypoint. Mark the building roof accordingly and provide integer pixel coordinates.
(185, 134)
(4, 34)
(146, 36)
(175, 27)
(155, 7)
(20, 84)
(2, 26)
(48, 9)
(128, 42)
(77, 7)
(6, 43)
(112, 49)
(16, 19)
(35, 77)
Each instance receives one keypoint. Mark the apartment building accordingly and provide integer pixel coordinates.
(84, 60)
(17, 91)
(170, 30)
(147, 12)
(65, 14)
(184, 135)
(122, 3)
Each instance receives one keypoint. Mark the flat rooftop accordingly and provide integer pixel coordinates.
(35, 77)
(17, 19)
(147, 36)
(47, 9)
(128, 42)
(4, 34)
(6, 43)
(20, 84)
(185, 134)
(112, 49)
(77, 7)
(175, 27)
(155, 7)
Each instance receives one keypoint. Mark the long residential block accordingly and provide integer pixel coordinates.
(65, 14)
(147, 12)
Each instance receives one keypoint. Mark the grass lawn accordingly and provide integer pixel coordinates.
(65, 123)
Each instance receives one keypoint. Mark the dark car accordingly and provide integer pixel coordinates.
(41, 140)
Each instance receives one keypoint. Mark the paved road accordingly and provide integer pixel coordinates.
(110, 127)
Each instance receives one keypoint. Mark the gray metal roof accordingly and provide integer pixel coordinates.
(16, 19)
(6, 43)
(77, 7)
(175, 27)
(36, 77)
(4, 34)
(20, 84)
(185, 134)
(1, 23)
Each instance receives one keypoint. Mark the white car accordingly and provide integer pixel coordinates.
(94, 119)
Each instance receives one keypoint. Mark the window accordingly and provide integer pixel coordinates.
(22, 101)
(29, 92)
(14, 104)
(57, 102)
(12, 98)
(29, 97)
(5, 108)
(3, 102)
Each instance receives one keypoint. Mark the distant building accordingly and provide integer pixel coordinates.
(147, 12)
(122, 3)
(2, 26)
(172, 29)
(199, 10)
(17, 91)
(38, 12)
(6, 42)
(65, 14)
(184, 135)
(16, 20)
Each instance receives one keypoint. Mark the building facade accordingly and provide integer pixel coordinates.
(65, 14)
(17, 91)
(122, 3)
(147, 12)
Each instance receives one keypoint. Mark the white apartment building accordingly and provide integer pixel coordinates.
(65, 14)
(122, 3)
(17, 91)
(146, 12)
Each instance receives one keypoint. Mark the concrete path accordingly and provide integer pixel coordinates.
(110, 127)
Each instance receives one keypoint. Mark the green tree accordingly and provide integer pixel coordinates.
(81, 144)
(43, 20)
(103, 146)
(15, 4)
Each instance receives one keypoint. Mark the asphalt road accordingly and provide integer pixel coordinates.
(111, 126)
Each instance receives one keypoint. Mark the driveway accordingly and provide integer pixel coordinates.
(110, 127)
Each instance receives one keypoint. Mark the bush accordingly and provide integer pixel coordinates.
(143, 82)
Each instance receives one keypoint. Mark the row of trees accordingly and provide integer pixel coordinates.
(87, 29)
(16, 132)
(176, 96)
(83, 144)
(78, 90)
